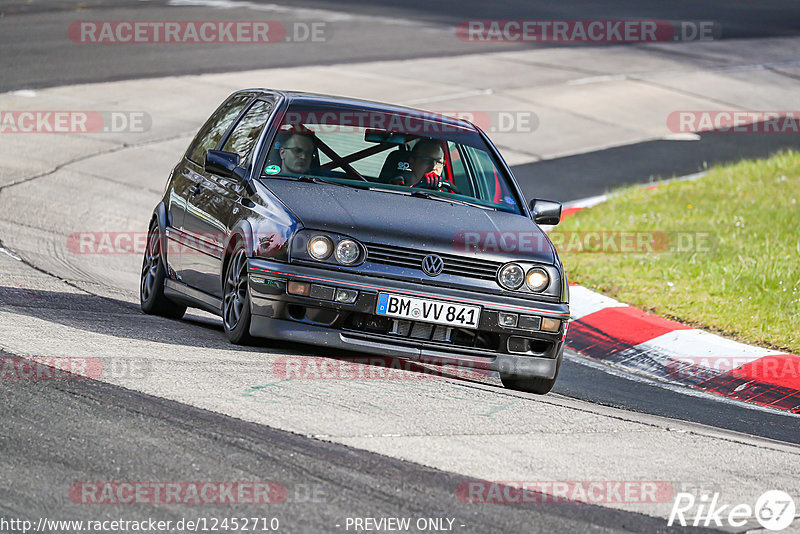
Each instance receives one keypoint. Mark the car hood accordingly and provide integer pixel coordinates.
(418, 223)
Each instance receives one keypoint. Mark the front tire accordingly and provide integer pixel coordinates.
(151, 284)
(537, 385)
(236, 312)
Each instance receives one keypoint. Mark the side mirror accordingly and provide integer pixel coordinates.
(226, 164)
(222, 163)
(545, 211)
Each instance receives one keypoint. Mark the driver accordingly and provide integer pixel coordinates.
(426, 163)
(296, 153)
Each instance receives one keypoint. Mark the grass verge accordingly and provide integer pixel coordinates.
(721, 253)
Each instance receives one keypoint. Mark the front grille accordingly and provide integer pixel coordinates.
(412, 259)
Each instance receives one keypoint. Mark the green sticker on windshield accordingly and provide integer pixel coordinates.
(272, 169)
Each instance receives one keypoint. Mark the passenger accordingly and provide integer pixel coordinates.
(426, 163)
(297, 153)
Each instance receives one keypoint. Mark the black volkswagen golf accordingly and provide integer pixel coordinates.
(360, 226)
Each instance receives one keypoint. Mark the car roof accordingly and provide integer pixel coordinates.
(300, 97)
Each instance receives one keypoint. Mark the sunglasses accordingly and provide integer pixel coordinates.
(432, 161)
(297, 151)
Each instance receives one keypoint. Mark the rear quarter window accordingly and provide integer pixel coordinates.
(215, 127)
(246, 132)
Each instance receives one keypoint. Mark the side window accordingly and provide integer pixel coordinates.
(460, 174)
(246, 133)
(490, 187)
(212, 131)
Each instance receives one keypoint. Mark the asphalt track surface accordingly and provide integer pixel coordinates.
(35, 33)
(62, 431)
(116, 434)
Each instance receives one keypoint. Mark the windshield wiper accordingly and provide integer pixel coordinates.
(425, 194)
(318, 180)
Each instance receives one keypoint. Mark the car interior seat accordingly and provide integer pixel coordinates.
(395, 166)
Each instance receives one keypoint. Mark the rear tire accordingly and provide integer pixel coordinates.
(236, 299)
(151, 284)
(537, 385)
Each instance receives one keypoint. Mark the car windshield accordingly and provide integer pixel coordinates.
(393, 152)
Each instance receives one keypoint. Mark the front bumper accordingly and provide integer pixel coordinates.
(524, 352)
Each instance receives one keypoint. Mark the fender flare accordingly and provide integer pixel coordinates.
(161, 217)
(241, 229)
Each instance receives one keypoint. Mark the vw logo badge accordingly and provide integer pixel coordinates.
(432, 265)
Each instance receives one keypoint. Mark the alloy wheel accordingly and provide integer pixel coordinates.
(235, 294)
(152, 259)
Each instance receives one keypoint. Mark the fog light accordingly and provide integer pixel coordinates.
(509, 320)
(550, 325)
(298, 288)
(346, 296)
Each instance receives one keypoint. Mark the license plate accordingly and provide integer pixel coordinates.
(429, 311)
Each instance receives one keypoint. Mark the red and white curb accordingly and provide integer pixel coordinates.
(608, 330)
(605, 329)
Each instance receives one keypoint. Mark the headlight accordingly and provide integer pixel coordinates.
(511, 276)
(537, 279)
(320, 247)
(347, 252)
